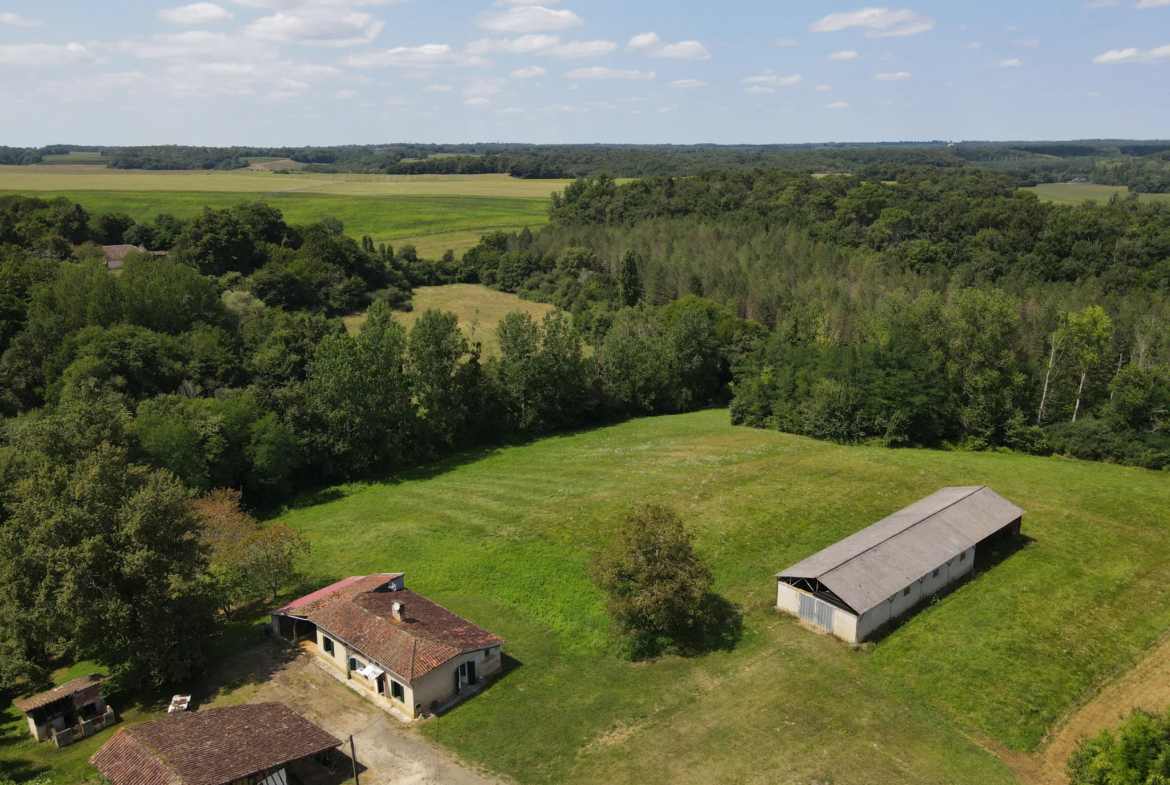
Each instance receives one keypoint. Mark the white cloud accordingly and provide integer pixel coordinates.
(823, 87)
(759, 88)
(311, 3)
(425, 56)
(316, 28)
(848, 54)
(196, 14)
(281, 95)
(528, 73)
(881, 22)
(569, 109)
(346, 95)
(485, 86)
(601, 72)
(974, 45)
(1152, 3)
(651, 45)
(1012, 28)
(476, 102)
(511, 110)
(1013, 63)
(525, 44)
(1028, 43)
(529, 19)
(898, 77)
(686, 84)
(577, 50)
(665, 109)
(887, 56)
(542, 46)
(1101, 4)
(785, 42)
(439, 88)
(772, 79)
(838, 105)
(1134, 55)
(16, 20)
(44, 54)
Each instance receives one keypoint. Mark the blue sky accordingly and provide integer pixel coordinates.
(318, 72)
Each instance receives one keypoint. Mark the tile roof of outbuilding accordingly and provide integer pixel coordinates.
(64, 691)
(211, 747)
(359, 612)
(867, 568)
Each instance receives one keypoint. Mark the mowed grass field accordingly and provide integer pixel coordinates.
(504, 537)
(479, 310)
(1076, 194)
(394, 208)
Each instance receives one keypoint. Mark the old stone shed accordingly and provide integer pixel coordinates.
(855, 586)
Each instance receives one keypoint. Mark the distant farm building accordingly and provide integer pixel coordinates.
(116, 254)
(862, 582)
(251, 744)
(396, 647)
(69, 713)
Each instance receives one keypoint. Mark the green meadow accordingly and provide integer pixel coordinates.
(504, 537)
(382, 217)
(1075, 194)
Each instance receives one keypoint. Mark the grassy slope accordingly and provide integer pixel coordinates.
(479, 310)
(1075, 194)
(504, 538)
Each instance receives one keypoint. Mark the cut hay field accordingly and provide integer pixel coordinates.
(479, 310)
(1076, 194)
(504, 536)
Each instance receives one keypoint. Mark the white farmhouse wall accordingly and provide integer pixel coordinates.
(845, 625)
(786, 598)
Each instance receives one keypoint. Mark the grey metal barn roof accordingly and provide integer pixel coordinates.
(867, 568)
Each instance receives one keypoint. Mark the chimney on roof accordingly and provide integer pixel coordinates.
(398, 612)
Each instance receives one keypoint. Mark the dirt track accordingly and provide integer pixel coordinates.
(1145, 686)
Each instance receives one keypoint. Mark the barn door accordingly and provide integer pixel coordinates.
(815, 612)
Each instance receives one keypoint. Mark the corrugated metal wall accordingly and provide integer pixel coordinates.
(816, 612)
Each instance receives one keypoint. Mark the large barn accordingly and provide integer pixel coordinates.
(856, 585)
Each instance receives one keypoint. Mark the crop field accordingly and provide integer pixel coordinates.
(479, 310)
(1075, 194)
(504, 536)
(455, 209)
(76, 159)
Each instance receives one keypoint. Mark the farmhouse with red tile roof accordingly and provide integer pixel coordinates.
(409, 653)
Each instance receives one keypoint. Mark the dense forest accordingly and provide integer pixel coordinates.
(1141, 166)
(900, 305)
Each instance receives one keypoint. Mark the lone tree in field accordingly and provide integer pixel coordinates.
(655, 584)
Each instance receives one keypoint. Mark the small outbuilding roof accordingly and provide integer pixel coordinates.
(867, 568)
(212, 747)
(359, 611)
(57, 693)
(116, 253)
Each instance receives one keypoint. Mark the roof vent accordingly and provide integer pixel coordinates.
(398, 612)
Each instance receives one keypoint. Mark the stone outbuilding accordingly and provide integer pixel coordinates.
(406, 653)
(855, 586)
(69, 713)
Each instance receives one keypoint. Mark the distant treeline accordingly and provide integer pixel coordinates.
(1141, 166)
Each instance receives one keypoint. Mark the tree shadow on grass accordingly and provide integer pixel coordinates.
(720, 628)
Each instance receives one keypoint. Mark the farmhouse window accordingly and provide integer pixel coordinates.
(935, 573)
(397, 691)
(906, 592)
(353, 664)
(327, 644)
(963, 556)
